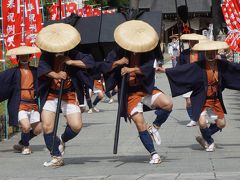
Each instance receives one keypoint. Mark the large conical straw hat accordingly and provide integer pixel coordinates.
(136, 36)
(192, 37)
(23, 50)
(210, 46)
(58, 37)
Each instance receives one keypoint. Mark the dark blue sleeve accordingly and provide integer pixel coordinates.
(230, 75)
(184, 57)
(147, 64)
(185, 78)
(44, 66)
(8, 83)
(87, 59)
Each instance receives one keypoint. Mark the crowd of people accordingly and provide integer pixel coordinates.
(199, 73)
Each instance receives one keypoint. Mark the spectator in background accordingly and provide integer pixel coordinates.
(173, 49)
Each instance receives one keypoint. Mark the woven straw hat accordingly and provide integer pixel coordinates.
(58, 37)
(136, 36)
(23, 50)
(192, 37)
(210, 46)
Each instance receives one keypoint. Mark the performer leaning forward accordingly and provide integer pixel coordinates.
(189, 56)
(57, 41)
(137, 41)
(207, 79)
(20, 88)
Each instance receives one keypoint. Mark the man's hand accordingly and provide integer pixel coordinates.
(60, 75)
(120, 62)
(123, 61)
(63, 60)
(127, 70)
(160, 69)
(68, 62)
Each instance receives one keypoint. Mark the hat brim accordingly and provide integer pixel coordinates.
(58, 37)
(23, 50)
(192, 37)
(210, 46)
(136, 36)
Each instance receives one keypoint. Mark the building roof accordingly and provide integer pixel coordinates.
(168, 6)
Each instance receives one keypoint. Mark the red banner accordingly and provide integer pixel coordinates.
(87, 11)
(54, 12)
(71, 7)
(80, 12)
(22, 20)
(12, 22)
(230, 9)
(33, 21)
(1, 52)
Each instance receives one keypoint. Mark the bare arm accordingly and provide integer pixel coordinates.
(59, 75)
(119, 62)
(77, 63)
(127, 70)
(160, 69)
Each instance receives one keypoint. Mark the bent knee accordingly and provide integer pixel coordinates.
(47, 128)
(221, 123)
(26, 129)
(100, 95)
(202, 122)
(164, 103)
(168, 104)
(77, 128)
(37, 131)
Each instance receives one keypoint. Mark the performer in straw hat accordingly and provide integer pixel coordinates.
(189, 56)
(20, 88)
(137, 40)
(207, 79)
(58, 41)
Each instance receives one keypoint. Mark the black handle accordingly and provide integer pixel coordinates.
(58, 110)
(120, 105)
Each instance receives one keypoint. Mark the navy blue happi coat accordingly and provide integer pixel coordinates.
(113, 77)
(78, 76)
(193, 77)
(185, 57)
(11, 91)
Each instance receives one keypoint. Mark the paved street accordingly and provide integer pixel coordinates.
(89, 155)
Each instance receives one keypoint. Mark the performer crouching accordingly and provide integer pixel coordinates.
(51, 72)
(207, 79)
(137, 40)
(20, 88)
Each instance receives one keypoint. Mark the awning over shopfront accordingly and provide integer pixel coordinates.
(168, 6)
(197, 23)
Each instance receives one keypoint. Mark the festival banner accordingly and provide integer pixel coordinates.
(33, 21)
(87, 11)
(80, 12)
(231, 13)
(71, 7)
(1, 51)
(96, 12)
(12, 22)
(54, 12)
